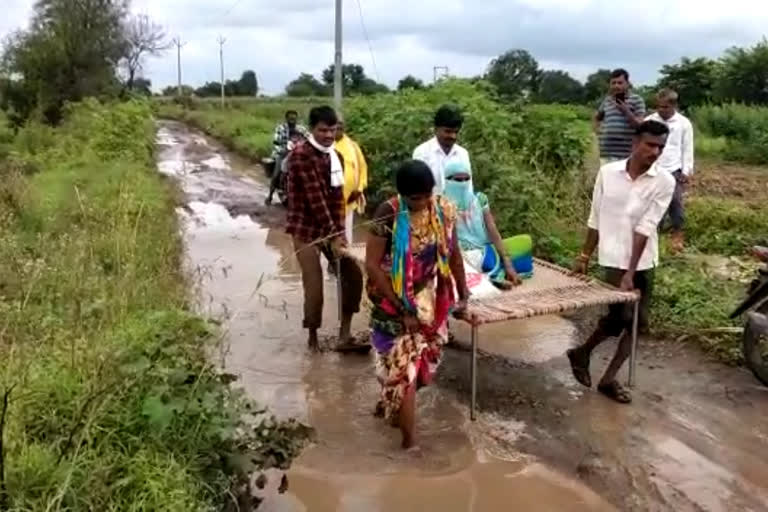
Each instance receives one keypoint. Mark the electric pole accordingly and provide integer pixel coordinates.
(179, 44)
(337, 67)
(436, 69)
(221, 65)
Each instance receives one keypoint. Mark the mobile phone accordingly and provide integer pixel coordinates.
(621, 97)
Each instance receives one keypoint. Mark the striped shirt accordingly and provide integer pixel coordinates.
(615, 131)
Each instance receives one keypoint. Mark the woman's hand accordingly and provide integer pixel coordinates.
(411, 323)
(511, 276)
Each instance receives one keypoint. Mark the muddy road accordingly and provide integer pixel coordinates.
(695, 438)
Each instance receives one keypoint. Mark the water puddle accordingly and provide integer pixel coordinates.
(528, 455)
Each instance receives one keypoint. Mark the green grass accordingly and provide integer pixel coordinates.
(112, 402)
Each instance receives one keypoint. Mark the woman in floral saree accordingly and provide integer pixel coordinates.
(412, 259)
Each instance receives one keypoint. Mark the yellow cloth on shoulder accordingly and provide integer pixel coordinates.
(355, 171)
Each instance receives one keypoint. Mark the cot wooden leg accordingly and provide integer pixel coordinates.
(339, 291)
(473, 373)
(633, 352)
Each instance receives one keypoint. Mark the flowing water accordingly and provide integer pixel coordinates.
(695, 437)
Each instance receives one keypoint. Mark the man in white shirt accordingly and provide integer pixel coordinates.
(677, 158)
(442, 149)
(629, 201)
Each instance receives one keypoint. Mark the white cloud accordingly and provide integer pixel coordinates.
(280, 39)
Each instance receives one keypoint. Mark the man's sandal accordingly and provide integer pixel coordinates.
(615, 391)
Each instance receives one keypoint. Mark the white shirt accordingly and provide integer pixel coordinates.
(432, 154)
(678, 153)
(622, 207)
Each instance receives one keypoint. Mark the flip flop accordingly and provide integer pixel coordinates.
(615, 391)
(580, 370)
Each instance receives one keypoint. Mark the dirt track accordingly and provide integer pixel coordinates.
(695, 437)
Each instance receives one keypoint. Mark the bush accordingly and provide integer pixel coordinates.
(520, 157)
(744, 128)
(113, 403)
(725, 226)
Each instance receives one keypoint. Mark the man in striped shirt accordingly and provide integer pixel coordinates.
(617, 118)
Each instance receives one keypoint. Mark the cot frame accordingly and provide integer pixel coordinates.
(611, 296)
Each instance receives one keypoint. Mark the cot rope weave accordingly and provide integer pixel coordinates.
(551, 290)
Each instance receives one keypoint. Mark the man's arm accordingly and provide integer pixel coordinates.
(362, 167)
(593, 225)
(635, 114)
(688, 149)
(302, 169)
(598, 117)
(648, 225)
(280, 139)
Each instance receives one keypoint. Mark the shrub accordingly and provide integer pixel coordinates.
(725, 226)
(745, 129)
(520, 157)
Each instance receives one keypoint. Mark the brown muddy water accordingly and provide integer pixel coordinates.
(695, 438)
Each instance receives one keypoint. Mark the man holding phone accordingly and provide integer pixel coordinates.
(617, 118)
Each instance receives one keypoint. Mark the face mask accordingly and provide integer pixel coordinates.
(460, 192)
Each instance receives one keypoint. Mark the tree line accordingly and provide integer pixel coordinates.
(740, 75)
(247, 85)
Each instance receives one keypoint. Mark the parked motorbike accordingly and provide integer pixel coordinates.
(755, 306)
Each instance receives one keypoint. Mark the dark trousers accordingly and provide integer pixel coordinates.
(619, 316)
(351, 278)
(676, 212)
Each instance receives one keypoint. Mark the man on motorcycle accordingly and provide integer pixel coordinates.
(287, 135)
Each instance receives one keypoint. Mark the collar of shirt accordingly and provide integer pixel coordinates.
(437, 148)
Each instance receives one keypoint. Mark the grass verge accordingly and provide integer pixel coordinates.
(109, 401)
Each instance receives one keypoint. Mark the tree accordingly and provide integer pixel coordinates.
(70, 50)
(143, 86)
(353, 80)
(208, 89)
(248, 84)
(596, 85)
(559, 87)
(410, 82)
(306, 85)
(693, 79)
(744, 74)
(515, 74)
(143, 38)
(173, 90)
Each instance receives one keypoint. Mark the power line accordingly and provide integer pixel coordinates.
(231, 8)
(368, 39)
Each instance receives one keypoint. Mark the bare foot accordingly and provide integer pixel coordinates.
(313, 343)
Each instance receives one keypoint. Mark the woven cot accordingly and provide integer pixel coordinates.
(551, 290)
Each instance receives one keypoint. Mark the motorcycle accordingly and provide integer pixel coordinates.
(755, 338)
(279, 165)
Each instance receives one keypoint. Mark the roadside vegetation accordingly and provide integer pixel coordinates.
(536, 162)
(109, 399)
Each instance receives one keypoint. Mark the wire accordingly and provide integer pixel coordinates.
(368, 39)
(231, 8)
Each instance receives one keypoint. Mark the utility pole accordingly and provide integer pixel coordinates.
(221, 65)
(179, 44)
(436, 69)
(337, 67)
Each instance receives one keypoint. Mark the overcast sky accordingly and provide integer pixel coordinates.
(281, 38)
